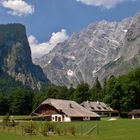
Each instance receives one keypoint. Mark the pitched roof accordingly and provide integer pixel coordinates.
(135, 111)
(96, 106)
(70, 108)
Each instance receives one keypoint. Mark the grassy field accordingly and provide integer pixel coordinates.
(108, 130)
(16, 117)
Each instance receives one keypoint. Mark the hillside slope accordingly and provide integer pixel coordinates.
(15, 56)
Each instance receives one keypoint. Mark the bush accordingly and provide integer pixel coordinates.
(47, 129)
(6, 120)
(72, 131)
(124, 115)
(30, 128)
(12, 123)
(59, 131)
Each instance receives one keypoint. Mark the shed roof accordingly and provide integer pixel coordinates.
(70, 108)
(96, 106)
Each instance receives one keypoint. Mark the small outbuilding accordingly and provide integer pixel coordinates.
(98, 107)
(58, 110)
(134, 114)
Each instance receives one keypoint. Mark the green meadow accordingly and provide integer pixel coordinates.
(120, 129)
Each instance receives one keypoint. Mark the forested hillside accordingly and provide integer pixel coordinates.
(15, 57)
(121, 93)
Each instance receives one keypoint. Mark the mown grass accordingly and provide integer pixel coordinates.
(16, 117)
(108, 130)
(5, 136)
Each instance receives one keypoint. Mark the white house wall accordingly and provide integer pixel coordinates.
(60, 118)
(55, 118)
(67, 119)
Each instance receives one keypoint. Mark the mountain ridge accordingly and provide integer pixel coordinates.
(84, 55)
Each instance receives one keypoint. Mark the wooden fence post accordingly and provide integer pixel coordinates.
(97, 129)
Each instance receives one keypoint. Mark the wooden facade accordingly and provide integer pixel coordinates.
(47, 110)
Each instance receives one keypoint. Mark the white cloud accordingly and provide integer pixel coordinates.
(103, 3)
(39, 49)
(17, 7)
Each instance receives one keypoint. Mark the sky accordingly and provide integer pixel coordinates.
(49, 22)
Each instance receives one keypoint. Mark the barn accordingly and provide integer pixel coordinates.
(58, 110)
(99, 107)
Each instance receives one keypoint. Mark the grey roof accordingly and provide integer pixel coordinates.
(70, 108)
(134, 112)
(96, 106)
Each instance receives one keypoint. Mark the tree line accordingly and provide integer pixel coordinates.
(121, 93)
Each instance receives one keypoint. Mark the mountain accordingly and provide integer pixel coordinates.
(129, 55)
(15, 56)
(100, 50)
(8, 84)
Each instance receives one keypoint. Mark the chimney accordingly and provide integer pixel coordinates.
(70, 105)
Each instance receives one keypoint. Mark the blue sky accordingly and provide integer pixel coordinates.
(49, 22)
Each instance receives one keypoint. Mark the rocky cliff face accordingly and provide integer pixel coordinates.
(129, 54)
(15, 56)
(100, 50)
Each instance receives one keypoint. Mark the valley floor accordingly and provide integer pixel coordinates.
(120, 129)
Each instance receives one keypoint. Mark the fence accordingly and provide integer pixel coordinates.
(50, 129)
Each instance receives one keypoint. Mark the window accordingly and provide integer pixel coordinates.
(92, 107)
(86, 118)
(99, 107)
